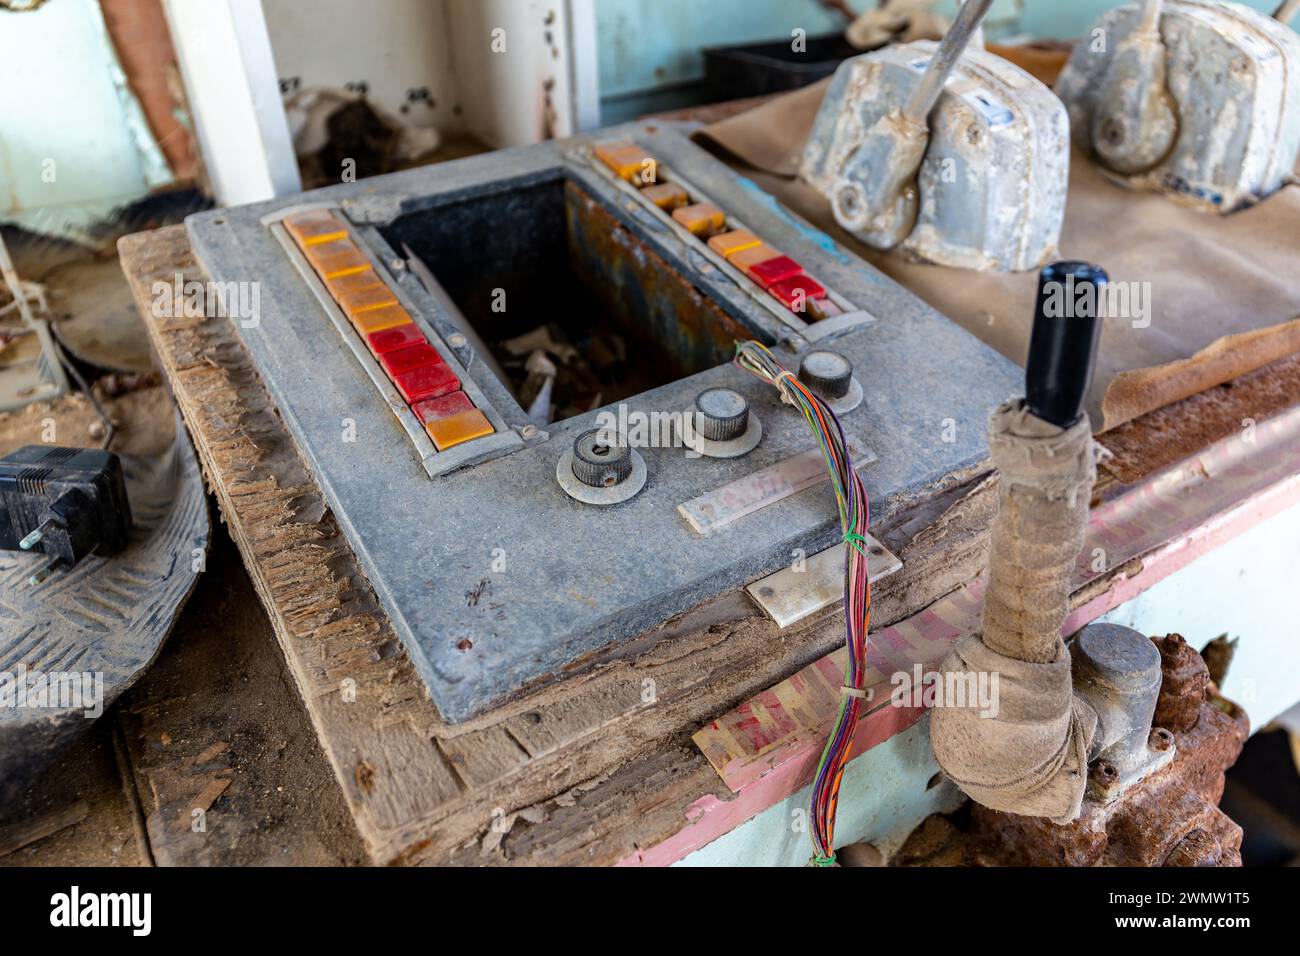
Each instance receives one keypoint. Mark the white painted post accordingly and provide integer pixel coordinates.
(583, 66)
(234, 95)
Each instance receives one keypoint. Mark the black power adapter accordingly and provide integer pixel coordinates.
(62, 502)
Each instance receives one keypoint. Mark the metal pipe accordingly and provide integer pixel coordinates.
(951, 48)
(1286, 11)
(1151, 10)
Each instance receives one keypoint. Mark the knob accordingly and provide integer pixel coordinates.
(827, 373)
(600, 459)
(1063, 343)
(721, 414)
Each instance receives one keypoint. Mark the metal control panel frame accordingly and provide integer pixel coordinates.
(494, 578)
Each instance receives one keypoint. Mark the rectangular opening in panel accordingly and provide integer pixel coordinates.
(559, 288)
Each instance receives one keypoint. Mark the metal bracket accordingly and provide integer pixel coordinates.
(790, 595)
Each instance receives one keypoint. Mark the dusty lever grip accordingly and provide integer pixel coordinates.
(1063, 344)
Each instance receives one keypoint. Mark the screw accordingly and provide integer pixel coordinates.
(1160, 739)
(1104, 781)
(397, 265)
(528, 431)
(456, 340)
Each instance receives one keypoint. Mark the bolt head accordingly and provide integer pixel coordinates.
(1160, 739)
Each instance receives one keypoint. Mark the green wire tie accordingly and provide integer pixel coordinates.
(858, 541)
(823, 860)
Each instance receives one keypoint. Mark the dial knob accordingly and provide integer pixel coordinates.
(829, 374)
(601, 459)
(721, 414)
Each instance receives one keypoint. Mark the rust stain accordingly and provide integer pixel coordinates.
(365, 775)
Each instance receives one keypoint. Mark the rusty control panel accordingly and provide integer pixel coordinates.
(511, 377)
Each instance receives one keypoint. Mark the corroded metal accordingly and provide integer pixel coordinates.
(1226, 76)
(1186, 676)
(683, 324)
(1135, 124)
(1168, 818)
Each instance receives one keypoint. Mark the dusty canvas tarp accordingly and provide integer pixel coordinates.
(1224, 299)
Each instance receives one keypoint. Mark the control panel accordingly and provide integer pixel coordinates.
(511, 376)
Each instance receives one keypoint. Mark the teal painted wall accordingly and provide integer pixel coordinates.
(649, 50)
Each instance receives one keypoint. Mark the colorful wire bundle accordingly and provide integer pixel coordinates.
(851, 498)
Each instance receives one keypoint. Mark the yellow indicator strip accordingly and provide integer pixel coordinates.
(363, 300)
(629, 162)
(667, 196)
(738, 240)
(376, 320)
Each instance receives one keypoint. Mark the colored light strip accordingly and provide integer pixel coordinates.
(429, 385)
(777, 274)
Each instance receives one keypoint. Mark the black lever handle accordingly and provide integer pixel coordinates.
(1063, 344)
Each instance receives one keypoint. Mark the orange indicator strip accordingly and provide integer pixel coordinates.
(353, 282)
(729, 243)
(336, 258)
(458, 428)
(667, 196)
(364, 300)
(746, 259)
(702, 218)
(314, 227)
(376, 320)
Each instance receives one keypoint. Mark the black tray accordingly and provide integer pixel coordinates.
(755, 69)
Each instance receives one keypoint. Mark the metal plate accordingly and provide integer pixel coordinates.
(721, 506)
(791, 594)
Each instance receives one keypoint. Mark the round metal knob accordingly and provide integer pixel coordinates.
(600, 459)
(721, 414)
(829, 374)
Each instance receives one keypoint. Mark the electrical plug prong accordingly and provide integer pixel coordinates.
(44, 572)
(33, 539)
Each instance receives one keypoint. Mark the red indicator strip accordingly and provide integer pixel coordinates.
(427, 381)
(779, 275)
(430, 410)
(399, 337)
(410, 358)
(797, 292)
(771, 271)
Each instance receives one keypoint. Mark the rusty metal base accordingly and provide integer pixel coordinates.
(1170, 818)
